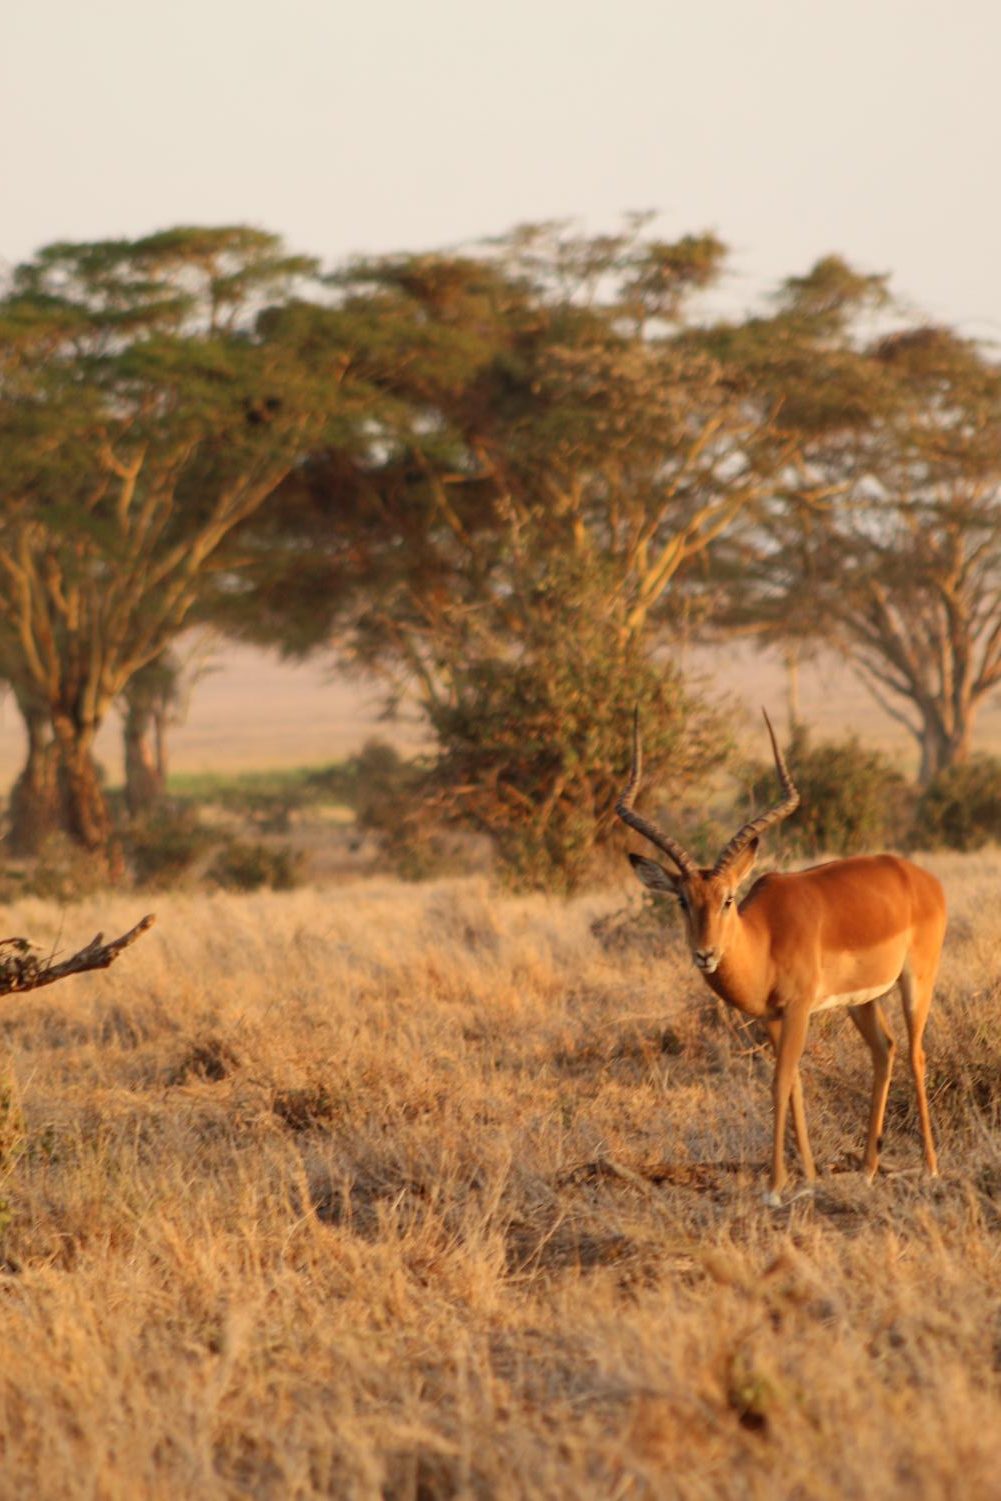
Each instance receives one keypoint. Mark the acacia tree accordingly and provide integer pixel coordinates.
(550, 452)
(885, 537)
(923, 567)
(147, 411)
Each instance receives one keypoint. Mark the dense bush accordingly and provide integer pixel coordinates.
(961, 807)
(243, 865)
(62, 871)
(538, 751)
(163, 847)
(851, 799)
(380, 785)
(391, 799)
(534, 747)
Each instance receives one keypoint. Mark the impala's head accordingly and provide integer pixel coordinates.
(708, 898)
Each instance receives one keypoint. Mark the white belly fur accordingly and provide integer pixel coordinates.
(854, 997)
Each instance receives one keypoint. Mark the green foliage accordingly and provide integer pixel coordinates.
(393, 798)
(377, 783)
(141, 423)
(888, 539)
(250, 791)
(535, 745)
(961, 807)
(832, 292)
(852, 800)
(664, 274)
(163, 848)
(536, 409)
(246, 865)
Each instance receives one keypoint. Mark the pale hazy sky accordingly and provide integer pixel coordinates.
(792, 128)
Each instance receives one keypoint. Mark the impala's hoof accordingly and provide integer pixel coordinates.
(771, 1199)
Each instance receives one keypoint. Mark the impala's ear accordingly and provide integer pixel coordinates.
(744, 863)
(654, 875)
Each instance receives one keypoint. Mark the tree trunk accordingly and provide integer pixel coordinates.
(85, 811)
(145, 759)
(35, 803)
(161, 719)
(791, 657)
(941, 748)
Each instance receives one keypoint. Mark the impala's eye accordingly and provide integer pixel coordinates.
(727, 901)
(682, 903)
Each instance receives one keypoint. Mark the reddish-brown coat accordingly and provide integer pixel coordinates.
(843, 933)
(835, 928)
(839, 934)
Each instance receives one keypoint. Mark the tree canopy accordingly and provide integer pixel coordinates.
(884, 536)
(147, 407)
(548, 450)
(510, 478)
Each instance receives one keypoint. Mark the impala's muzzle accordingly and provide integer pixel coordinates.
(707, 960)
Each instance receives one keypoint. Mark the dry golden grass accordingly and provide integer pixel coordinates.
(421, 1192)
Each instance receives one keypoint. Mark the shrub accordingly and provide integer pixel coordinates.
(247, 866)
(163, 847)
(534, 746)
(536, 752)
(384, 784)
(851, 799)
(961, 806)
(388, 796)
(64, 871)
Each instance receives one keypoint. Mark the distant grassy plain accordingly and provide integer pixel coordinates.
(421, 1191)
(253, 712)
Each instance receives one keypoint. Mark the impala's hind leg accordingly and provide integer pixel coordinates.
(872, 1024)
(916, 985)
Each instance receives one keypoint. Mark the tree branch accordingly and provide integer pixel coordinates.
(21, 968)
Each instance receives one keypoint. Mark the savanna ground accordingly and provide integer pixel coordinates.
(424, 1191)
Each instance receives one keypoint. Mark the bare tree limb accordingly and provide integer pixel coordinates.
(21, 968)
(872, 679)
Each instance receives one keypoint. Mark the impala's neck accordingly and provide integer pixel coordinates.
(744, 976)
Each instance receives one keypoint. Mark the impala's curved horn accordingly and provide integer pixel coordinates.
(787, 804)
(624, 808)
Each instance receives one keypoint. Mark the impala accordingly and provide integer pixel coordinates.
(838, 934)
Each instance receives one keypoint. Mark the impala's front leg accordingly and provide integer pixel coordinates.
(792, 1040)
(774, 1029)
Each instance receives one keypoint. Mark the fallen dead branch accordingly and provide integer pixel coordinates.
(701, 1176)
(24, 967)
